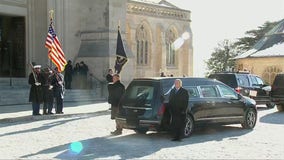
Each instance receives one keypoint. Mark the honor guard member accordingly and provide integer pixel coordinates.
(36, 94)
(58, 90)
(47, 92)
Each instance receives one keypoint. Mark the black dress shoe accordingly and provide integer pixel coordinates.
(116, 132)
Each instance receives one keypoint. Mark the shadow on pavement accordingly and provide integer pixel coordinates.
(28, 106)
(273, 118)
(136, 145)
(28, 119)
(53, 124)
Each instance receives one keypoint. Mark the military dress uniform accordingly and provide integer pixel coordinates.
(47, 92)
(36, 91)
(58, 92)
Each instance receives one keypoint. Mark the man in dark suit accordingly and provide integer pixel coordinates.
(116, 91)
(178, 102)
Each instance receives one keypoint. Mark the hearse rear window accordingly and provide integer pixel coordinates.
(142, 95)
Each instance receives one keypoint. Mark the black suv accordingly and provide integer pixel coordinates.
(248, 85)
(144, 105)
(277, 91)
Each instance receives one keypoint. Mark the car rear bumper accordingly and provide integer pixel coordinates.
(133, 124)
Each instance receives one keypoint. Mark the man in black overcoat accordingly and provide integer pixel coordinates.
(116, 91)
(68, 72)
(47, 91)
(58, 90)
(178, 102)
(36, 93)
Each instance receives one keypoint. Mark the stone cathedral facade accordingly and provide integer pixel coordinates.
(87, 30)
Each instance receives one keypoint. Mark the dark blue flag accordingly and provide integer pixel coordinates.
(121, 57)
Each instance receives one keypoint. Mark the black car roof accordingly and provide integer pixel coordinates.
(189, 81)
(233, 73)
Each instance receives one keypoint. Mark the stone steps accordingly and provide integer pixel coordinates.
(18, 92)
(13, 96)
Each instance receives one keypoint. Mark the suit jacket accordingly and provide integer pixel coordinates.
(178, 101)
(116, 91)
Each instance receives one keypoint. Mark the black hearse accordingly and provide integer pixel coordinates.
(210, 101)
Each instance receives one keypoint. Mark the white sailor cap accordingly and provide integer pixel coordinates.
(37, 66)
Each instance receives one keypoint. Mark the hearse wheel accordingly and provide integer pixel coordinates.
(249, 119)
(189, 125)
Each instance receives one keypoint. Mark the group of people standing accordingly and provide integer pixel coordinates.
(47, 88)
(79, 74)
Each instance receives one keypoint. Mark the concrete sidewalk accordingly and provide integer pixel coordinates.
(15, 113)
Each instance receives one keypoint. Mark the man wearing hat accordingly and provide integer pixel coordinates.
(36, 94)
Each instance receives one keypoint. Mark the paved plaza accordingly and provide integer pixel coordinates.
(83, 132)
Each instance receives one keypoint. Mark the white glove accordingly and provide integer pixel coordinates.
(50, 87)
(37, 83)
(60, 82)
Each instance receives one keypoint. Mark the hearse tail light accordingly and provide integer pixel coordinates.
(161, 110)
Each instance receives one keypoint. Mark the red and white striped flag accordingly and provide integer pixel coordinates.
(55, 52)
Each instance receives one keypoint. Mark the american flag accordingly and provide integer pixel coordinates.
(55, 52)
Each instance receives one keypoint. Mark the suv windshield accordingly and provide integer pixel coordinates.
(243, 80)
(228, 79)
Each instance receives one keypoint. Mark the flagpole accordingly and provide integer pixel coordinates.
(121, 57)
(51, 15)
(118, 24)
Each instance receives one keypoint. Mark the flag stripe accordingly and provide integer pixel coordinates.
(55, 52)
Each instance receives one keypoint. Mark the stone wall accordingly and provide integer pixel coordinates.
(266, 67)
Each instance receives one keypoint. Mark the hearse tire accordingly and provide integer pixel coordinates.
(249, 119)
(189, 125)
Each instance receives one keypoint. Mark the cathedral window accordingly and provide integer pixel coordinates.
(170, 51)
(142, 42)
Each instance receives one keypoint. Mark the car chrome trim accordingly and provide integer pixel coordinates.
(149, 121)
(141, 121)
(121, 119)
(216, 118)
(137, 108)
